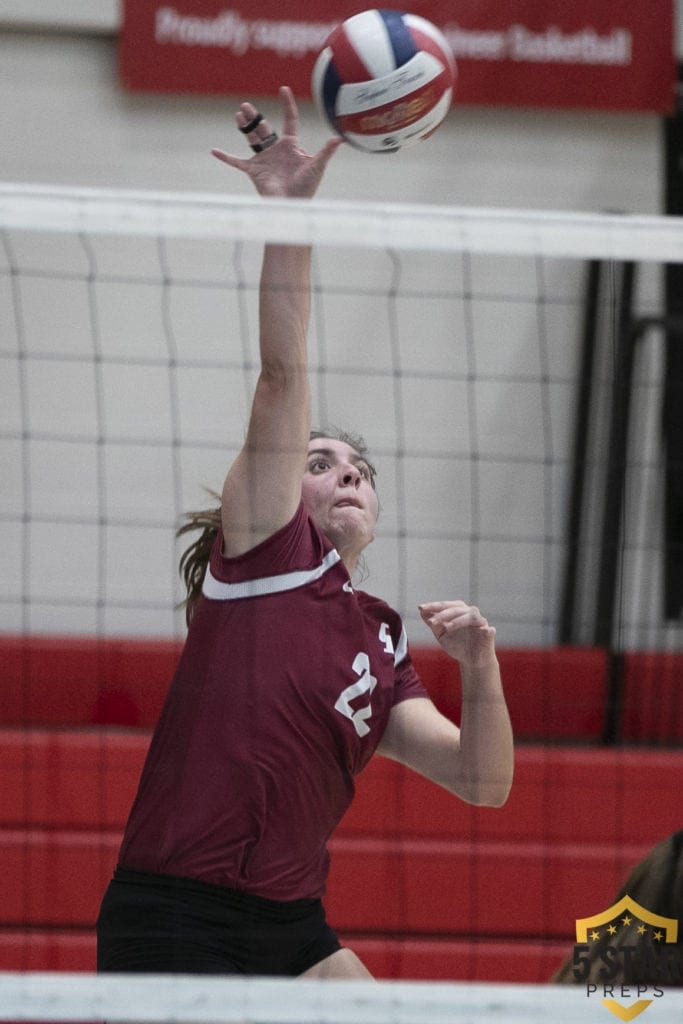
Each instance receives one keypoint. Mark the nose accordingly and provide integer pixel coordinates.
(350, 475)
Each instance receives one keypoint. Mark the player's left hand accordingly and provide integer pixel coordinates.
(463, 632)
(279, 166)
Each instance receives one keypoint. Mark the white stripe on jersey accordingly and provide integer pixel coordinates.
(215, 590)
(401, 647)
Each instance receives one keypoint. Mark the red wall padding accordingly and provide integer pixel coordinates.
(576, 821)
(86, 779)
(83, 680)
(413, 887)
(653, 697)
(554, 693)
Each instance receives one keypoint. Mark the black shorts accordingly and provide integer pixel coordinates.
(160, 924)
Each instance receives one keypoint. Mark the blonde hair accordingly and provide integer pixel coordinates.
(195, 559)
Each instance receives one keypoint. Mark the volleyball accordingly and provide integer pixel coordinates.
(384, 80)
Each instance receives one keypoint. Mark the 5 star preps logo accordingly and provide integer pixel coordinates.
(626, 955)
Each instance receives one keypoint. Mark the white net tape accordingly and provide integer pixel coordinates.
(189, 1000)
(418, 227)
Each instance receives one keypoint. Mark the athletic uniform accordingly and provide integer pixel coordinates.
(282, 693)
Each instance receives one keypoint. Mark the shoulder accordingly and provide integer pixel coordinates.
(391, 623)
(292, 556)
(298, 539)
(377, 606)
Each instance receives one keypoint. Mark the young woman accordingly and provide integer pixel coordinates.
(290, 678)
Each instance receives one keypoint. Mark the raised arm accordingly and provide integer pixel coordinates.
(263, 487)
(475, 761)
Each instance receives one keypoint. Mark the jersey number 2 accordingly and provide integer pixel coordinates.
(365, 685)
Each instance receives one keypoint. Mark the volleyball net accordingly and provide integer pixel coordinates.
(510, 371)
(186, 1000)
(453, 337)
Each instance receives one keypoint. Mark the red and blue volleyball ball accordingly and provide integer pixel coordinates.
(384, 80)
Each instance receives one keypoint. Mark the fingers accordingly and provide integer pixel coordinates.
(447, 609)
(232, 161)
(248, 118)
(290, 171)
(252, 124)
(257, 131)
(322, 158)
(447, 615)
(462, 632)
(290, 112)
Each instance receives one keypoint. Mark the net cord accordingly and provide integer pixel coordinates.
(317, 222)
(189, 1000)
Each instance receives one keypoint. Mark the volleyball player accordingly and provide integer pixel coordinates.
(290, 678)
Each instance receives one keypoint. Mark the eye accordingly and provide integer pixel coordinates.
(364, 471)
(318, 466)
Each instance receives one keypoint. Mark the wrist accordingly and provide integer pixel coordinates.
(480, 669)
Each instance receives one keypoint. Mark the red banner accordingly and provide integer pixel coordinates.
(609, 55)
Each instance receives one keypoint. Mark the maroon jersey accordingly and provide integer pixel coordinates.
(281, 696)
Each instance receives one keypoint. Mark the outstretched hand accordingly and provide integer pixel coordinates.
(462, 631)
(281, 168)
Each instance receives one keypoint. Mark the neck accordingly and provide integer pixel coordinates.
(350, 558)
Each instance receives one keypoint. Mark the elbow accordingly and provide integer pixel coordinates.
(279, 371)
(486, 792)
(490, 784)
(277, 382)
(496, 797)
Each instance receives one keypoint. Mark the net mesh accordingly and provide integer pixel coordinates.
(451, 337)
(456, 341)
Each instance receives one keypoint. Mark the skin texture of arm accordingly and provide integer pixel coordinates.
(474, 762)
(263, 486)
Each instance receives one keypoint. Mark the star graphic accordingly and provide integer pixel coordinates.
(626, 920)
(657, 936)
(642, 929)
(595, 935)
(612, 929)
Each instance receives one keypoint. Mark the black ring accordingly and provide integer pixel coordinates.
(245, 129)
(266, 143)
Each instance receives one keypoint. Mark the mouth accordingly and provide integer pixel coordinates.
(347, 503)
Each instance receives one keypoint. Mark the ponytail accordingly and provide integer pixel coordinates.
(195, 559)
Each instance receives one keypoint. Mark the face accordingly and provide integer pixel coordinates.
(338, 493)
